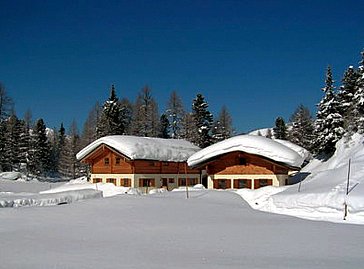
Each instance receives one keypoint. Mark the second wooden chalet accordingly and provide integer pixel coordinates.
(247, 161)
(140, 162)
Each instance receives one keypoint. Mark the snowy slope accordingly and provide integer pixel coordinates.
(147, 148)
(258, 145)
(323, 193)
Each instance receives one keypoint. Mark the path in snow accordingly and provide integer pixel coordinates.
(211, 230)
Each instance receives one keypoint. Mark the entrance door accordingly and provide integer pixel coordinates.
(165, 182)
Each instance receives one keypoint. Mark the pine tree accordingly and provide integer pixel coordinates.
(126, 115)
(175, 113)
(302, 129)
(346, 99)
(329, 122)
(222, 128)
(111, 119)
(164, 125)
(146, 116)
(269, 133)
(24, 141)
(2, 145)
(6, 103)
(12, 144)
(60, 147)
(280, 129)
(39, 152)
(359, 97)
(202, 119)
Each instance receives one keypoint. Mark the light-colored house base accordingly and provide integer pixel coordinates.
(245, 181)
(146, 182)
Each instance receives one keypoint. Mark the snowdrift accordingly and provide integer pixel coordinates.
(74, 190)
(322, 195)
(25, 199)
(148, 148)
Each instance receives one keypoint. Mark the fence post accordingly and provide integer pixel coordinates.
(347, 191)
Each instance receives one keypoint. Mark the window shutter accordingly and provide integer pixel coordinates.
(256, 184)
(249, 183)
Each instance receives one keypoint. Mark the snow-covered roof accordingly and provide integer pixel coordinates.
(252, 144)
(304, 153)
(145, 148)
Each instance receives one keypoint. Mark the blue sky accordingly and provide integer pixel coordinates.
(260, 58)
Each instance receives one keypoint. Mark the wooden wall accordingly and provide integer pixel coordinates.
(238, 163)
(98, 166)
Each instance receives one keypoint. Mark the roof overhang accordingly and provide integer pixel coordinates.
(210, 160)
(99, 151)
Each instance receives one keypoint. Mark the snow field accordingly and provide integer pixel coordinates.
(322, 194)
(212, 229)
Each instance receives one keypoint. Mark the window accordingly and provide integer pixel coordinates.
(242, 161)
(263, 182)
(171, 181)
(111, 180)
(117, 160)
(97, 180)
(165, 163)
(258, 183)
(190, 181)
(106, 161)
(222, 184)
(242, 183)
(181, 182)
(151, 164)
(146, 182)
(125, 182)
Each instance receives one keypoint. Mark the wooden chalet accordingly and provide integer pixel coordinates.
(140, 162)
(246, 162)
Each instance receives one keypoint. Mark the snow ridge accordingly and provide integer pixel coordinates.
(148, 148)
(250, 144)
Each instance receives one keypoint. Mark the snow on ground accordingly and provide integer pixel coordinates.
(107, 189)
(212, 229)
(34, 193)
(322, 195)
(12, 176)
(258, 145)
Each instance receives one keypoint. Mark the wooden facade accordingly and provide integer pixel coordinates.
(110, 166)
(243, 170)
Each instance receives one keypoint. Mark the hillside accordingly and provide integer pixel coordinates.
(322, 194)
